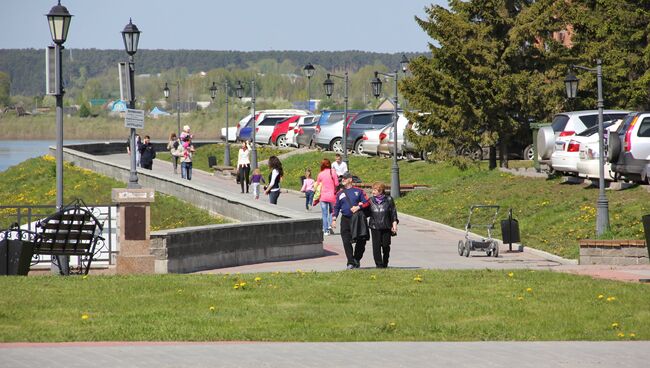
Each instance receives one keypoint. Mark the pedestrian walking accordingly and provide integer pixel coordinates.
(382, 223)
(172, 146)
(326, 183)
(350, 200)
(308, 189)
(147, 153)
(187, 151)
(256, 181)
(273, 189)
(244, 166)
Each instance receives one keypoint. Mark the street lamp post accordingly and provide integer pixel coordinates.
(59, 21)
(178, 104)
(329, 87)
(309, 72)
(239, 90)
(131, 37)
(376, 90)
(213, 94)
(571, 84)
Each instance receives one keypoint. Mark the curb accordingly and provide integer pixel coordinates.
(541, 253)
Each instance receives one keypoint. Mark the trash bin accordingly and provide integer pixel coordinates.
(212, 161)
(646, 229)
(510, 231)
(15, 255)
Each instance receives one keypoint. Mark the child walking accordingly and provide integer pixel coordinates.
(308, 189)
(255, 182)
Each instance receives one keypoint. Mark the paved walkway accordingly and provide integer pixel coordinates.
(362, 354)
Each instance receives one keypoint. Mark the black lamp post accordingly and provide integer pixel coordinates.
(213, 94)
(178, 104)
(571, 84)
(131, 37)
(239, 91)
(59, 20)
(376, 91)
(309, 72)
(329, 88)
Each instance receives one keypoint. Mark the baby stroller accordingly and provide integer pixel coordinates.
(488, 245)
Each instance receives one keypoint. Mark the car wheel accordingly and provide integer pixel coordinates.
(358, 147)
(336, 146)
(281, 141)
(529, 153)
(474, 152)
(545, 142)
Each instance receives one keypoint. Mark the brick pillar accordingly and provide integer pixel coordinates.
(134, 229)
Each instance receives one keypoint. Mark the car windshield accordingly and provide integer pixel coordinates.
(594, 129)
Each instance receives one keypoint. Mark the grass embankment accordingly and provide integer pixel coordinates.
(33, 182)
(366, 305)
(552, 216)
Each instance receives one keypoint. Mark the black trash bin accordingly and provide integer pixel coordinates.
(510, 231)
(646, 229)
(212, 161)
(15, 255)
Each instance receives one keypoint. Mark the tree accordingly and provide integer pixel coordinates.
(472, 85)
(5, 89)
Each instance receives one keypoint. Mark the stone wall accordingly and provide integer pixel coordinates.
(613, 252)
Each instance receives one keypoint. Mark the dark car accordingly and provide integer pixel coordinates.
(305, 133)
(365, 121)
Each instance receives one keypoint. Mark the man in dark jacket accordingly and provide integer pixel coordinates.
(147, 153)
(349, 200)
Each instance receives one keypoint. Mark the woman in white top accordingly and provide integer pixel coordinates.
(244, 165)
(273, 189)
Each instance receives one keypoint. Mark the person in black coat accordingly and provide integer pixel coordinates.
(147, 153)
(382, 223)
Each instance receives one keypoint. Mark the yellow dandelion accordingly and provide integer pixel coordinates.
(600, 296)
(417, 279)
(520, 298)
(530, 290)
(179, 291)
(212, 308)
(84, 316)
(632, 334)
(85, 277)
(236, 286)
(611, 298)
(242, 284)
(620, 334)
(615, 325)
(373, 277)
(392, 324)
(258, 279)
(511, 274)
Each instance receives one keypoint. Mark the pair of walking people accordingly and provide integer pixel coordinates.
(382, 221)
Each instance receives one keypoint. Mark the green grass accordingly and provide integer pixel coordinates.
(33, 182)
(366, 305)
(552, 216)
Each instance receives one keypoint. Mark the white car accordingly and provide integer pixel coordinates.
(233, 130)
(292, 133)
(387, 144)
(371, 140)
(567, 154)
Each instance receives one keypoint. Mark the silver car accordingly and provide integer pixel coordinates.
(329, 130)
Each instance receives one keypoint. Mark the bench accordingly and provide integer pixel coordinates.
(402, 188)
(72, 231)
(225, 169)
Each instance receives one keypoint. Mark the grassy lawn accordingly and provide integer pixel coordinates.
(365, 305)
(552, 216)
(33, 182)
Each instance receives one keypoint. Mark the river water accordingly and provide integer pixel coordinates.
(14, 152)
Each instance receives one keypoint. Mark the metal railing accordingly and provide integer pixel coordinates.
(26, 216)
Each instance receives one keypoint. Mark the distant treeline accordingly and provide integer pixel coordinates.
(26, 67)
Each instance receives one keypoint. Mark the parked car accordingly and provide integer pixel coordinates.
(388, 143)
(305, 133)
(567, 154)
(233, 130)
(329, 131)
(279, 135)
(265, 123)
(629, 148)
(589, 163)
(371, 140)
(365, 121)
(292, 132)
(568, 124)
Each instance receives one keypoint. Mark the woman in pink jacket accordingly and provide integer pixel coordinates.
(329, 182)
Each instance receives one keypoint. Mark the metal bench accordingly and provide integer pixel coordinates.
(72, 231)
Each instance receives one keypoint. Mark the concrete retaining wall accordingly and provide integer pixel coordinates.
(265, 232)
(613, 252)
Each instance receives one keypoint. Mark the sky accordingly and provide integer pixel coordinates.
(242, 25)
